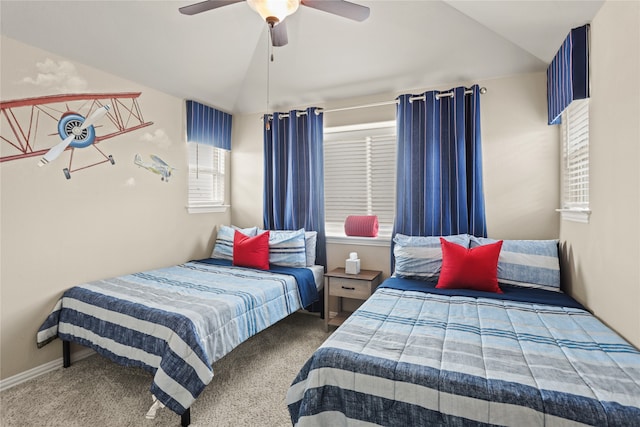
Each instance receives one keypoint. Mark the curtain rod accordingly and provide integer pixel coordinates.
(483, 90)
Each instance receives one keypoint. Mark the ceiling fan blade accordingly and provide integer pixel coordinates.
(56, 150)
(97, 115)
(340, 7)
(279, 34)
(203, 6)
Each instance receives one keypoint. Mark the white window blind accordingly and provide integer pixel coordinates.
(575, 156)
(206, 177)
(360, 169)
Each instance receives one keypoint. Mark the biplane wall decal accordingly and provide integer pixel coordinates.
(49, 125)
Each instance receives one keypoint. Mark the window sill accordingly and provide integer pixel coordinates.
(361, 241)
(207, 209)
(575, 215)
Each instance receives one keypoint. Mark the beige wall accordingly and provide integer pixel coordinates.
(603, 257)
(105, 221)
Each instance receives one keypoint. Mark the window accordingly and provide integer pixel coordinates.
(360, 169)
(575, 161)
(206, 178)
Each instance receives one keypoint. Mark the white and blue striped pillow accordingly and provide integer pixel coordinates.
(420, 257)
(287, 248)
(527, 263)
(223, 248)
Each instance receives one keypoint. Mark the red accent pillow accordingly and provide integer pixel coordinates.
(251, 251)
(361, 225)
(464, 268)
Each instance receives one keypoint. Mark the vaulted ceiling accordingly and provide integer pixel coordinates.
(221, 57)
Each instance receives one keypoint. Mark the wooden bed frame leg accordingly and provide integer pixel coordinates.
(66, 354)
(186, 418)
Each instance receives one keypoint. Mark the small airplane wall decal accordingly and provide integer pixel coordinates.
(158, 166)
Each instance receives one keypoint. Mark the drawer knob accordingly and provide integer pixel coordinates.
(349, 288)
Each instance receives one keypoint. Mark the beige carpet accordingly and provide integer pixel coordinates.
(248, 389)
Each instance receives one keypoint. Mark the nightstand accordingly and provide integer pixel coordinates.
(356, 286)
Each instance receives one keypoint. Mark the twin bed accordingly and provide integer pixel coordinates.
(176, 321)
(413, 354)
(419, 355)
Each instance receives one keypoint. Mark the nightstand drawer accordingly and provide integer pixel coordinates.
(340, 285)
(350, 288)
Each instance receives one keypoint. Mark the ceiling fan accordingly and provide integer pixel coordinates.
(275, 11)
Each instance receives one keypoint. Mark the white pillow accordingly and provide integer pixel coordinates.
(310, 241)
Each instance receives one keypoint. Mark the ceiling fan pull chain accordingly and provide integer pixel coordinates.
(269, 57)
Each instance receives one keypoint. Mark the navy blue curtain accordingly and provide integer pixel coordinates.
(568, 73)
(294, 174)
(206, 125)
(439, 165)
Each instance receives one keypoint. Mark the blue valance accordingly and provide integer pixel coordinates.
(568, 73)
(206, 125)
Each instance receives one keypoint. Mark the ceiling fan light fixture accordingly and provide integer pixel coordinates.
(269, 9)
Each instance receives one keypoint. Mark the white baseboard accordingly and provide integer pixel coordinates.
(42, 369)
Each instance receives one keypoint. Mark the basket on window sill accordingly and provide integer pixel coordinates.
(361, 225)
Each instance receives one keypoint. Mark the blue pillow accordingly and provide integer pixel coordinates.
(420, 257)
(527, 263)
(223, 248)
(287, 248)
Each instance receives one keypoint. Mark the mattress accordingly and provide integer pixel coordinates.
(318, 275)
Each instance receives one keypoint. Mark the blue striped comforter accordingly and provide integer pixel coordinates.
(412, 358)
(174, 322)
